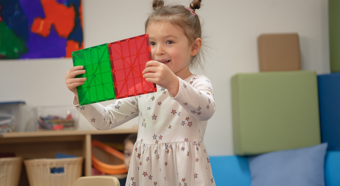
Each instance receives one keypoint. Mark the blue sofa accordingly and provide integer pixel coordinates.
(281, 167)
(235, 171)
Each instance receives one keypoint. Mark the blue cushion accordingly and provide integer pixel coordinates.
(332, 168)
(230, 170)
(298, 167)
(329, 106)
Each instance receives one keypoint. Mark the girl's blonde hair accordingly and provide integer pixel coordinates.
(183, 17)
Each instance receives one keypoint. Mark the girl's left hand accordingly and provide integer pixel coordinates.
(159, 73)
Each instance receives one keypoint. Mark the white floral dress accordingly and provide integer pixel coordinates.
(169, 150)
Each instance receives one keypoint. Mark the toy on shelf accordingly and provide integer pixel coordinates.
(56, 123)
(114, 70)
(62, 117)
(106, 159)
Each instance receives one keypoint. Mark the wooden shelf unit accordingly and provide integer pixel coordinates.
(45, 144)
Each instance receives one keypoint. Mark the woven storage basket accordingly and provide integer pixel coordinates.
(10, 169)
(53, 172)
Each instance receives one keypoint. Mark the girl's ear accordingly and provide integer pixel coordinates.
(196, 47)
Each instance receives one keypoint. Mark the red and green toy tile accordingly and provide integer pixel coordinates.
(114, 70)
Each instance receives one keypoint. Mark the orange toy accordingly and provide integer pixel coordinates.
(111, 163)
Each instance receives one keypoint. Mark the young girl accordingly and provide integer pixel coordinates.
(169, 149)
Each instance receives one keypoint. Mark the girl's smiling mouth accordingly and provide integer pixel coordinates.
(164, 61)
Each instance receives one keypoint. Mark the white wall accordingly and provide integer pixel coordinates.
(232, 27)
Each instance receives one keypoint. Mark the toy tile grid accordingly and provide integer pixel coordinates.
(114, 70)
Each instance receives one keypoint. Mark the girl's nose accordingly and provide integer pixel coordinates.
(159, 50)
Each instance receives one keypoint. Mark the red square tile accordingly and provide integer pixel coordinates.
(128, 58)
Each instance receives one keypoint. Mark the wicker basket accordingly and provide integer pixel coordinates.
(53, 172)
(10, 169)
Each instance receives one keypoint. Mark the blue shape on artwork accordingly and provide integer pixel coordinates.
(19, 16)
(40, 47)
(14, 16)
(63, 2)
(32, 9)
(77, 32)
(75, 3)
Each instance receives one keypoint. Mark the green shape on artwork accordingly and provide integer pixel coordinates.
(11, 47)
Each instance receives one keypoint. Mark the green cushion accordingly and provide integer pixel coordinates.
(334, 34)
(274, 111)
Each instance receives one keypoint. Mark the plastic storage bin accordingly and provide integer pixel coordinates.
(57, 117)
(53, 172)
(10, 116)
(10, 169)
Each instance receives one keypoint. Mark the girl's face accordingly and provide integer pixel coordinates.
(170, 46)
(128, 148)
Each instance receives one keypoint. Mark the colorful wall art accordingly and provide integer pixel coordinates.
(32, 29)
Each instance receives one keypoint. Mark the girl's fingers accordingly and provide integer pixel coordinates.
(77, 72)
(77, 84)
(73, 69)
(149, 75)
(152, 63)
(151, 80)
(76, 68)
(149, 69)
(74, 85)
(76, 80)
(73, 74)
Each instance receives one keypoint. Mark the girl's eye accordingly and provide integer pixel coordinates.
(152, 43)
(169, 42)
(127, 154)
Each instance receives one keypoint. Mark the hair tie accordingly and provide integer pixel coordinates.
(192, 12)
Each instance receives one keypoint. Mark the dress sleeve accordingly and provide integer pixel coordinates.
(197, 97)
(111, 116)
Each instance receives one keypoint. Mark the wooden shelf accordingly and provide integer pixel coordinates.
(45, 144)
(66, 133)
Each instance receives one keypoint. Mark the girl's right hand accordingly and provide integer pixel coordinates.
(71, 81)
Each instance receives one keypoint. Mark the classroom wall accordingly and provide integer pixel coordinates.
(231, 28)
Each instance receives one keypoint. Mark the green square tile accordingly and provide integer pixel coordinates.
(82, 91)
(100, 92)
(97, 80)
(96, 62)
(108, 90)
(105, 67)
(274, 111)
(89, 69)
(107, 77)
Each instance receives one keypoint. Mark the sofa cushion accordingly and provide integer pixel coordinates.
(273, 111)
(298, 167)
(329, 104)
(230, 170)
(334, 37)
(332, 168)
